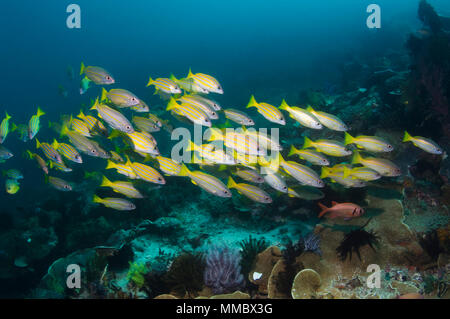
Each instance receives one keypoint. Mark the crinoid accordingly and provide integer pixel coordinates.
(249, 250)
(354, 240)
(185, 274)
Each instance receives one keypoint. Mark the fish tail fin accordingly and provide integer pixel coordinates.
(95, 106)
(38, 145)
(292, 151)
(110, 164)
(7, 116)
(252, 102)
(292, 193)
(172, 104)
(348, 139)
(323, 209)
(30, 155)
(105, 182)
(325, 172)
(308, 142)
(40, 112)
(184, 171)
(82, 67)
(231, 183)
(191, 146)
(407, 137)
(64, 130)
(356, 159)
(55, 144)
(150, 81)
(96, 199)
(128, 162)
(284, 105)
(13, 127)
(104, 95)
(81, 115)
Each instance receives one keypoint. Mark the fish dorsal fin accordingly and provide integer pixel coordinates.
(333, 203)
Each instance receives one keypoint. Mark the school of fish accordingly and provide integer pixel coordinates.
(245, 156)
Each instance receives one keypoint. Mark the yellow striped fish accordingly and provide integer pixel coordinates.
(115, 203)
(370, 143)
(254, 193)
(423, 143)
(93, 123)
(263, 139)
(49, 151)
(206, 81)
(168, 166)
(60, 166)
(209, 155)
(188, 99)
(165, 85)
(189, 85)
(240, 142)
(270, 112)
(80, 126)
(143, 143)
(114, 118)
(302, 116)
(250, 175)
(310, 156)
(123, 169)
(207, 182)
(381, 165)
(147, 173)
(142, 107)
(120, 97)
(328, 120)
(212, 104)
(194, 115)
(337, 176)
(68, 151)
(42, 164)
(301, 173)
(4, 128)
(274, 180)
(124, 188)
(363, 173)
(145, 124)
(238, 117)
(34, 124)
(97, 74)
(328, 147)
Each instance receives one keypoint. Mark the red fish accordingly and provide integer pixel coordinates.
(344, 210)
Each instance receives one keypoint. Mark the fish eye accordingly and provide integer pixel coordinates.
(159, 179)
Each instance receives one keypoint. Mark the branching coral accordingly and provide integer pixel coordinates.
(223, 270)
(186, 274)
(249, 250)
(354, 240)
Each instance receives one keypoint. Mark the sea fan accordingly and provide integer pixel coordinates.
(354, 240)
(223, 270)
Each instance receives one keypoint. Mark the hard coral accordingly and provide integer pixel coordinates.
(223, 270)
